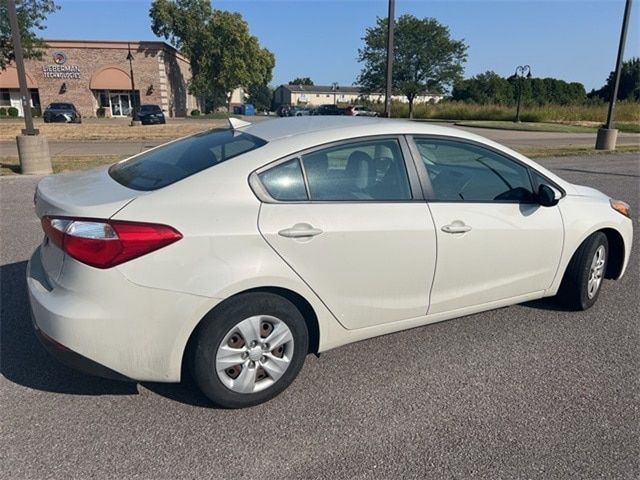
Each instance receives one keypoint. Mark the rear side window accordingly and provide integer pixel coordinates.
(371, 170)
(175, 161)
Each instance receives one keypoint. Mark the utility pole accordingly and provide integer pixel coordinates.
(33, 149)
(388, 86)
(132, 96)
(25, 97)
(608, 135)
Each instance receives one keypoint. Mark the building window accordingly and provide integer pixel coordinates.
(5, 97)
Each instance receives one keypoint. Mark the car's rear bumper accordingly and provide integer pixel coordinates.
(75, 360)
(109, 326)
(152, 121)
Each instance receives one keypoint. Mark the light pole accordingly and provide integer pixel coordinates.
(33, 149)
(133, 85)
(607, 135)
(334, 87)
(390, 27)
(522, 72)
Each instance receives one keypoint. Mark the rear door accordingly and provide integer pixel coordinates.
(350, 222)
(495, 241)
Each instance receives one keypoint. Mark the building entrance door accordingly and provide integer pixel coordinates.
(120, 104)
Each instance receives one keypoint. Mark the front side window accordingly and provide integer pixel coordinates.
(465, 172)
(173, 162)
(371, 170)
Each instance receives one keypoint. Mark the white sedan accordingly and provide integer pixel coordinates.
(237, 252)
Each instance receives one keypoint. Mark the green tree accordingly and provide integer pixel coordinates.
(260, 96)
(301, 81)
(425, 57)
(31, 17)
(629, 88)
(223, 53)
(485, 88)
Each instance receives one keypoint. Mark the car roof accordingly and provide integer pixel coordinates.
(346, 126)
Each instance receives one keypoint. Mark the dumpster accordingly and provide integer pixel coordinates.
(248, 109)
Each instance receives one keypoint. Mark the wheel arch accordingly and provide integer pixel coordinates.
(616, 254)
(301, 303)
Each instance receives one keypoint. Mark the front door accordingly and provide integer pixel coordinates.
(120, 104)
(494, 240)
(351, 229)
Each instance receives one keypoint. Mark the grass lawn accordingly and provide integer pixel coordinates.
(537, 152)
(10, 165)
(578, 127)
(110, 129)
(527, 126)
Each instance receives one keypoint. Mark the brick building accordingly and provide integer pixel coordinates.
(94, 74)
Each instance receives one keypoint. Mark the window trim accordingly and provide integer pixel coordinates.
(412, 174)
(425, 180)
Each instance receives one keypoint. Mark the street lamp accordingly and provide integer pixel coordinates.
(334, 88)
(607, 134)
(522, 72)
(133, 86)
(389, 80)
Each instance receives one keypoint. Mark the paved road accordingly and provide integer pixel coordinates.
(528, 391)
(511, 138)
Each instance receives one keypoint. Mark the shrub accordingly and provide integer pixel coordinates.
(195, 113)
(35, 112)
(3, 112)
(13, 111)
(101, 112)
(626, 111)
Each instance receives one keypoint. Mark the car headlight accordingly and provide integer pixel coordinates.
(621, 207)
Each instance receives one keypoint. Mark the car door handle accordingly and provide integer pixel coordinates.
(300, 230)
(456, 227)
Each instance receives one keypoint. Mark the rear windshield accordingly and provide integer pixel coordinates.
(175, 161)
(149, 108)
(61, 106)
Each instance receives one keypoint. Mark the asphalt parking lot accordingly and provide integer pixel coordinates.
(528, 391)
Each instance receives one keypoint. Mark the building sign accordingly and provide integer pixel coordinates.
(60, 70)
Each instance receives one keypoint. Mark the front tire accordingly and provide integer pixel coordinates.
(249, 349)
(583, 278)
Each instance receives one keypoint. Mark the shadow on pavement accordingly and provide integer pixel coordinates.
(24, 361)
(548, 303)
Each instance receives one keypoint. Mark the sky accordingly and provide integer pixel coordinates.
(575, 40)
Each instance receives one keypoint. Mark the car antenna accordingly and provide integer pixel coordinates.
(235, 123)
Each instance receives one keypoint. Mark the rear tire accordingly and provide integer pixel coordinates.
(249, 349)
(583, 278)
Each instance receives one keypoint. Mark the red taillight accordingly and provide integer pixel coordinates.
(107, 243)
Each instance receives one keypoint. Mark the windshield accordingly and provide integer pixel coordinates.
(173, 162)
(149, 108)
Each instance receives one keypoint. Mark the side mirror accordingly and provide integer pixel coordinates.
(548, 196)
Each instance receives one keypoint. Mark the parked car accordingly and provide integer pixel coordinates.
(149, 114)
(360, 111)
(61, 112)
(238, 252)
(328, 109)
(301, 112)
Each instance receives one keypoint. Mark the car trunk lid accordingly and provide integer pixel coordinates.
(90, 194)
